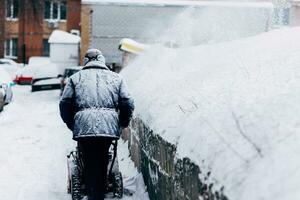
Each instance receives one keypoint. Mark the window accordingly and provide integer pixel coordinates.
(46, 47)
(55, 10)
(12, 9)
(11, 48)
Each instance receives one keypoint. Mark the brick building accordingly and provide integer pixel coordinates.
(25, 25)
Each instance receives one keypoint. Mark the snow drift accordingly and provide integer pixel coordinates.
(232, 107)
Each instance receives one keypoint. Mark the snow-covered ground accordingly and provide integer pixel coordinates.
(232, 107)
(33, 147)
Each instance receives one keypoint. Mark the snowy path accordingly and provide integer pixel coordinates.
(33, 148)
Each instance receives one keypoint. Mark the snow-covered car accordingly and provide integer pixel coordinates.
(24, 76)
(10, 66)
(45, 84)
(38, 60)
(8, 62)
(5, 86)
(35, 63)
(8, 92)
(69, 71)
(2, 100)
(46, 78)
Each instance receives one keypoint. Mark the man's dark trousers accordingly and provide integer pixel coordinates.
(95, 158)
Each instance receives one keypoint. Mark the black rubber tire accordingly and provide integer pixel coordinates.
(76, 184)
(118, 185)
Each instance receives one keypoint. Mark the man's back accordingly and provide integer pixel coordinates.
(94, 100)
(97, 88)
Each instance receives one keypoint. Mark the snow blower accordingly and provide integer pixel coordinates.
(75, 165)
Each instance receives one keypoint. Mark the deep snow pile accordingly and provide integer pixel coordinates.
(232, 107)
(33, 148)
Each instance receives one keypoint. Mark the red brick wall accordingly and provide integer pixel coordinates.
(30, 29)
(73, 14)
(2, 27)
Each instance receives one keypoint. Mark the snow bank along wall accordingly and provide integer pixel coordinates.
(167, 138)
(218, 121)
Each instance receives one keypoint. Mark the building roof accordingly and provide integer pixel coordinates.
(180, 3)
(63, 37)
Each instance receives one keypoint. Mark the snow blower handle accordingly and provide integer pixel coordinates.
(115, 146)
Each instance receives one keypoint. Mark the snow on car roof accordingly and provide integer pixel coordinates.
(63, 37)
(49, 70)
(40, 70)
(181, 3)
(7, 61)
(4, 76)
(47, 81)
(38, 60)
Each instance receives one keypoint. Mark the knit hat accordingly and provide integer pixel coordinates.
(94, 55)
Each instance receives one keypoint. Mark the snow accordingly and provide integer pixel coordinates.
(62, 37)
(131, 178)
(129, 45)
(7, 61)
(38, 60)
(33, 148)
(48, 70)
(4, 76)
(232, 107)
(10, 66)
(51, 81)
(40, 70)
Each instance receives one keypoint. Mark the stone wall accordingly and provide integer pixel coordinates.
(166, 176)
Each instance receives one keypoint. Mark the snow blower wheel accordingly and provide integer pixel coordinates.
(74, 177)
(76, 189)
(118, 185)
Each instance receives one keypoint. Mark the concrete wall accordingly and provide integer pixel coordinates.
(166, 176)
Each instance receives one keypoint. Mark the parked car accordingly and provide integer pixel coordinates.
(39, 60)
(6, 92)
(69, 71)
(2, 100)
(10, 66)
(46, 78)
(7, 87)
(45, 84)
(35, 63)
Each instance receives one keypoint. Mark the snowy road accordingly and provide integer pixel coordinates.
(33, 147)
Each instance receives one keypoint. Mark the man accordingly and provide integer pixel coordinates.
(95, 105)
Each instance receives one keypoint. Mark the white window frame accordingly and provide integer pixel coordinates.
(10, 53)
(58, 11)
(11, 17)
